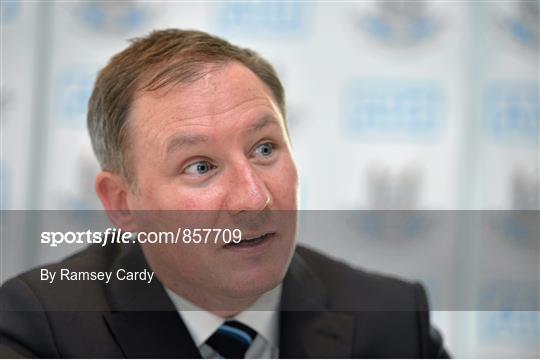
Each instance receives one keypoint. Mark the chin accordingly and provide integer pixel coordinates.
(255, 283)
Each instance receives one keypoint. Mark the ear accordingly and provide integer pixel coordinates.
(113, 190)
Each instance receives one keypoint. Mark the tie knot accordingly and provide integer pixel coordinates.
(232, 339)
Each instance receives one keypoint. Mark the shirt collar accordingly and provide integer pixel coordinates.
(261, 316)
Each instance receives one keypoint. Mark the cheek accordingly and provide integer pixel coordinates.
(207, 198)
(285, 184)
(172, 196)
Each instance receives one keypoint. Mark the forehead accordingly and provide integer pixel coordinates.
(228, 89)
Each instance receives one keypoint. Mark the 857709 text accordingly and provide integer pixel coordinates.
(118, 236)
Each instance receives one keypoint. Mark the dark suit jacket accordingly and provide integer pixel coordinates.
(328, 309)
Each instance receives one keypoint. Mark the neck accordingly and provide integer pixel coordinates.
(219, 305)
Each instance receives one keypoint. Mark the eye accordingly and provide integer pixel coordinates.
(199, 168)
(265, 149)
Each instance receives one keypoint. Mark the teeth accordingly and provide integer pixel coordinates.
(249, 241)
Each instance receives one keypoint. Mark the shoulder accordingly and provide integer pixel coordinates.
(391, 315)
(40, 319)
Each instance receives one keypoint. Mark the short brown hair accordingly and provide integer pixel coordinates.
(165, 57)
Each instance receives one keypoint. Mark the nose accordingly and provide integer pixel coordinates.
(248, 190)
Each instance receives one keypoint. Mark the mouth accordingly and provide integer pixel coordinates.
(250, 241)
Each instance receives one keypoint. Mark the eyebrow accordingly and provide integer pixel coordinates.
(181, 141)
(263, 122)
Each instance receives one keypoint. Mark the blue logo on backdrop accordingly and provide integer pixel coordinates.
(512, 113)
(400, 23)
(509, 295)
(113, 17)
(520, 319)
(279, 20)
(393, 110)
(74, 89)
(521, 228)
(516, 326)
(400, 192)
(9, 10)
(403, 226)
(519, 21)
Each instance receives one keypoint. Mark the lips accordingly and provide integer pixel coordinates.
(250, 241)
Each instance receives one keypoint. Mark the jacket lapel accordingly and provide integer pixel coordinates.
(308, 328)
(152, 334)
(143, 319)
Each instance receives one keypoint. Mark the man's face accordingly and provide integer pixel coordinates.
(218, 144)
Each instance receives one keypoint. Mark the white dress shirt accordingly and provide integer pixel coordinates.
(202, 324)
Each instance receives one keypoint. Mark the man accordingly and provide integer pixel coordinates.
(189, 130)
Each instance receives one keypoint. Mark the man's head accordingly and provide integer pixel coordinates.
(161, 59)
(182, 120)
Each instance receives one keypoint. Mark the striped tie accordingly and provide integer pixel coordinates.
(232, 339)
